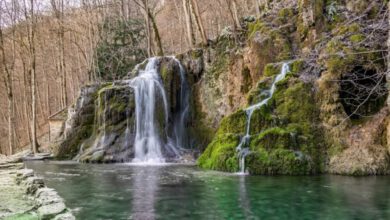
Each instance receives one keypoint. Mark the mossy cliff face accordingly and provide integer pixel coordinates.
(214, 96)
(101, 121)
(231, 69)
(354, 145)
(317, 120)
(102, 129)
(114, 113)
(80, 123)
(265, 45)
(284, 135)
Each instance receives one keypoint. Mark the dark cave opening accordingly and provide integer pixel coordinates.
(362, 92)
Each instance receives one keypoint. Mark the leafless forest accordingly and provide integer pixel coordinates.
(49, 49)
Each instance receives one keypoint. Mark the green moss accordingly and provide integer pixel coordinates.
(247, 80)
(271, 69)
(260, 92)
(284, 136)
(105, 87)
(234, 123)
(295, 103)
(164, 72)
(302, 30)
(318, 23)
(286, 13)
(119, 106)
(23, 216)
(195, 54)
(357, 38)
(70, 147)
(345, 29)
(274, 43)
(279, 162)
(219, 66)
(271, 138)
(220, 154)
(255, 27)
(296, 67)
(261, 119)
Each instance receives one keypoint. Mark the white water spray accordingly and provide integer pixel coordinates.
(243, 146)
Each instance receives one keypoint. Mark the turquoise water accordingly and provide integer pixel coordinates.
(120, 191)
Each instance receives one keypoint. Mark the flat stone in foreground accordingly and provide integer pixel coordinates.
(24, 196)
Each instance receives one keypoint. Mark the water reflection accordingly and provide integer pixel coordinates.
(113, 191)
(145, 188)
(243, 197)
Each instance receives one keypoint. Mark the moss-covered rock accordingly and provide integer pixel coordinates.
(97, 135)
(221, 154)
(81, 124)
(271, 69)
(285, 138)
(234, 123)
(344, 57)
(266, 45)
(279, 162)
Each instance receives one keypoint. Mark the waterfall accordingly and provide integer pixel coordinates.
(149, 90)
(180, 132)
(243, 146)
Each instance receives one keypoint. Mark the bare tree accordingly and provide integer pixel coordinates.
(30, 16)
(149, 12)
(232, 7)
(8, 68)
(257, 5)
(58, 9)
(199, 22)
(188, 19)
(388, 50)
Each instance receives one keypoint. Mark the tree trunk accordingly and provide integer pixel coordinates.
(10, 99)
(257, 5)
(199, 21)
(148, 29)
(235, 14)
(9, 87)
(34, 142)
(26, 100)
(187, 15)
(157, 37)
(388, 51)
(59, 14)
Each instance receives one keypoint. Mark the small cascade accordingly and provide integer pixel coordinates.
(180, 132)
(243, 147)
(149, 92)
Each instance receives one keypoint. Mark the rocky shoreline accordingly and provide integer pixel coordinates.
(23, 195)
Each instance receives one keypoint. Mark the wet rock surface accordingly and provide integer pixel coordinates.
(25, 196)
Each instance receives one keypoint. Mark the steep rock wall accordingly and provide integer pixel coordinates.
(343, 65)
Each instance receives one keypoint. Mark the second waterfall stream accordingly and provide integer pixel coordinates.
(243, 147)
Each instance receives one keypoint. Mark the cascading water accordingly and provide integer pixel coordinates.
(243, 146)
(149, 90)
(146, 87)
(181, 139)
